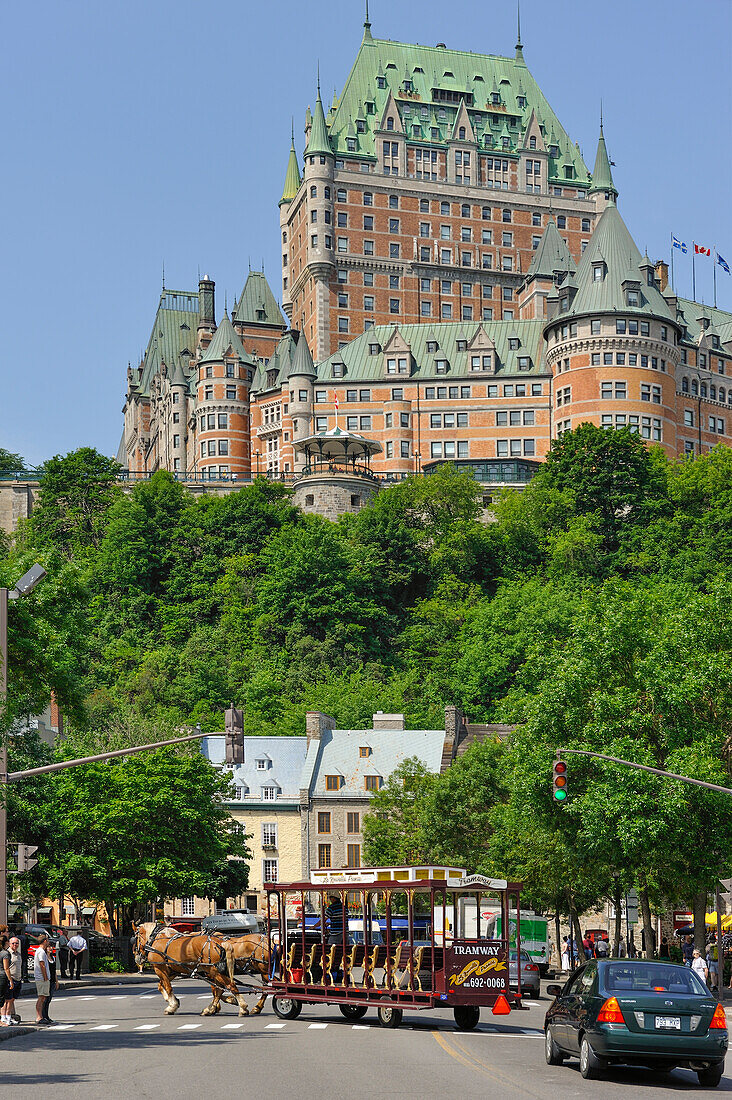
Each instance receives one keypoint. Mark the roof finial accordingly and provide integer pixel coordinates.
(226, 301)
(292, 120)
(366, 21)
(163, 275)
(518, 22)
(600, 116)
(318, 79)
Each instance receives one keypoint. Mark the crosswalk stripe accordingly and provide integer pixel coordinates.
(225, 1027)
(272, 1026)
(61, 1027)
(361, 1027)
(93, 998)
(204, 997)
(188, 1027)
(118, 997)
(146, 1027)
(317, 1026)
(104, 1027)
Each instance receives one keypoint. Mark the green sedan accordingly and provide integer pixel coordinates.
(636, 1012)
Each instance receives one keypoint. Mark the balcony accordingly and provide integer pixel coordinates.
(272, 428)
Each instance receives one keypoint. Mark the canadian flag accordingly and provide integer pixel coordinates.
(700, 250)
(335, 399)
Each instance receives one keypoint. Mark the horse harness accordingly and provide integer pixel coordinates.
(148, 948)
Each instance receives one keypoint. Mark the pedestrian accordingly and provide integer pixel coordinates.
(41, 976)
(77, 947)
(665, 950)
(713, 964)
(587, 946)
(699, 965)
(565, 953)
(687, 950)
(335, 918)
(53, 986)
(16, 971)
(601, 947)
(622, 950)
(6, 982)
(62, 952)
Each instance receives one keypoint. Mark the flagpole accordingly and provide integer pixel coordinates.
(714, 274)
(672, 261)
(693, 271)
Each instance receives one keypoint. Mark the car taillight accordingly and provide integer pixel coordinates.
(610, 1012)
(530, 966)
(719, 1019)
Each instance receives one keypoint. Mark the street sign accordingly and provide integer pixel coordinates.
(726, 891)
(25, 852)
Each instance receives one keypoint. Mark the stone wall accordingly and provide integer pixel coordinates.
(330, 495)
(16, 503)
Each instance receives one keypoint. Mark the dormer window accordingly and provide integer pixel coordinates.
(441, 366)
(364, 751)
(495, 98)
(431, 345)
(521, 101)
(269, 794)
(633, 298)
(524, 362)
(390, 123)
(339, 370)
(351, 144)
(261, 315)
(407, 85)
(372, 782)
(261, 764)
(532, 143)
(374, 349)
(715, 342)
(396, 366)
(481, 362)
(598, 272)
(651, 277)
(370, 107)
(462, 345)
(513, 343)
(461, 133)
(381, 82)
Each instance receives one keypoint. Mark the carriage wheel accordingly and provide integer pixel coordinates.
(466, 1017)
(286, 1008)
(388, 1016)
(353, 1012)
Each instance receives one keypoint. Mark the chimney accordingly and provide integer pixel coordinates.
(661, 274)
(388, 721)
(454, 729)
(206, 304)
(316, 724)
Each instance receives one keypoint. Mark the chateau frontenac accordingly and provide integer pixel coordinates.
(456, 286)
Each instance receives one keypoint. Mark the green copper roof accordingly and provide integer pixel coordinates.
(257, 304)
(302, 362)
(225, 340)
(602, 177)
(551, 256)
(318, 142)
(174, 331)
(292, 177)
(428, 116)
(279, 361)
(361, 365)
(612, 247)
(690, 312)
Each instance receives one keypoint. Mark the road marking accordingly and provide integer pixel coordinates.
(188, 1027)
(118, 997)
(318, 1027)
(61, 1027)
(103, 1027)
(361, 1027)
(202, 997)
(87, 998)
(230, 1027)
(272, 1026)
(533, 1004)
(472, 1062)
(146, 1027)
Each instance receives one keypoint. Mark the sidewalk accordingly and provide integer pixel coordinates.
(105, 978)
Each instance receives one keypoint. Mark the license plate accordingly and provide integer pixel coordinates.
(671, 1023)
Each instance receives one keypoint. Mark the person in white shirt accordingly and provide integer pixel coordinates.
(77, 947)
(699, 965)
(42, 977)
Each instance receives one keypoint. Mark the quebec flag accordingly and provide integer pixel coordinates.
(677, 243)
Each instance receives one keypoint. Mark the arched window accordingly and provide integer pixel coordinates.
(313, 192)
(704, 389)
(390, 123)
(461, 133)
(684, 385)
(713, 392)
(721, 393)
(694, 388)
(532, 143)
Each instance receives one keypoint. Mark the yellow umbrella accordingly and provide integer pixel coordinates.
(711, 919)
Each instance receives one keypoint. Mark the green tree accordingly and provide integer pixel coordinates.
(75, 494)
(393, 830)
(11, 463)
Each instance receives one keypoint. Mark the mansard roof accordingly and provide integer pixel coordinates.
(257, 297)
(362, 365)
(441, 81)
(551, 256)
(225, 340)
(612, 246)
(173, 331)
(689, 312)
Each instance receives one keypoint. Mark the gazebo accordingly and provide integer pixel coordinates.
(336, 474)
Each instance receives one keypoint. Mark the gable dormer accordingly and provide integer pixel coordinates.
(391, 120)
(397, 356)
(482, 356)
(533, 158)
(463, 128)
(391, 147)
(533, 139)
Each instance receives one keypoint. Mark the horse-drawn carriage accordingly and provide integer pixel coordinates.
(431, 950)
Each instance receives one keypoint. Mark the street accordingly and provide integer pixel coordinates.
(88, 1054)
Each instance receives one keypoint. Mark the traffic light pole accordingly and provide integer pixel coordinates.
(645, 768)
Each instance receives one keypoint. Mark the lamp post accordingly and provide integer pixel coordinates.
(257, 454)
(25, 585)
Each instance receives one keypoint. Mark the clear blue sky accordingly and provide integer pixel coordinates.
(141, 133)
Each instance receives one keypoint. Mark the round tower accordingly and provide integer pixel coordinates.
(289, 192)
(222, 407)
(612, 342)
(318, 177)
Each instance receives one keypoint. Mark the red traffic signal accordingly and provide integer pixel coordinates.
(560, 781)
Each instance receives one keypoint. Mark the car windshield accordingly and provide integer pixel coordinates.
(525, 958)
(648, 977)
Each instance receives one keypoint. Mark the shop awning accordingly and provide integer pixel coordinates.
(88, 910)
(43, 909)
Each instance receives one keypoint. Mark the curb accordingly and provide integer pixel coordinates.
(16, 1031)
(104, 979)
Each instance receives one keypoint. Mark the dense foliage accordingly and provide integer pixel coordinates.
(596, 611)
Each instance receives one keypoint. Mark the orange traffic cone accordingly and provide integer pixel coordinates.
(501, 1007)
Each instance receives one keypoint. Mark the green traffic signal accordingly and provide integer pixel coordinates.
(560, 781)
(560, 795)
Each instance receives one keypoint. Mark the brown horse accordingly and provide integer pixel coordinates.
(173, 955)
(251, 957)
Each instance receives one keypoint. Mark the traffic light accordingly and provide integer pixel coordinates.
(560, 781)
(25, 852)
